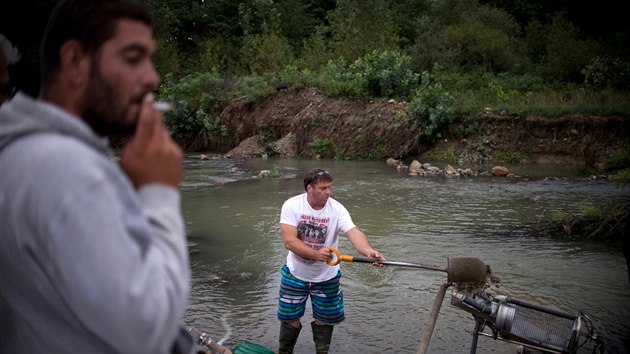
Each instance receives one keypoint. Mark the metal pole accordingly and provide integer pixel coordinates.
(473, 346)
(428, 329)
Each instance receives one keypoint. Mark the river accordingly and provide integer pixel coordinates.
(236, 252)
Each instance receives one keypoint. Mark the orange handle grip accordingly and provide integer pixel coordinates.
(340, 257)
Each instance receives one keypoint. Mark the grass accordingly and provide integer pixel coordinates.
(549, 103)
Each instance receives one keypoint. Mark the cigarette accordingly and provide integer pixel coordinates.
(163, 106)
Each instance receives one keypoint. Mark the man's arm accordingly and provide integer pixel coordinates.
(361, 243)
(295, 245)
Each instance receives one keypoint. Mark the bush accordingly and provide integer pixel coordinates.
(619, 159)
(336, 80)
(195, 97)
(619, 163)
(386, 74)
(321, 146)
(266, 53)
(509, 157)
(253, 87)
(607, 73)
(433, 108)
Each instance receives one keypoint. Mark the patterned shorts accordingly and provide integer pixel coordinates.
(326, 298)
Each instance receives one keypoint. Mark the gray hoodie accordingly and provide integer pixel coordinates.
(88, 264)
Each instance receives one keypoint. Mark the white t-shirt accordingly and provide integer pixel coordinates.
(317, 229)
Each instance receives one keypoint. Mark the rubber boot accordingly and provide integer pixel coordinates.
(288, 337)
(322, 334)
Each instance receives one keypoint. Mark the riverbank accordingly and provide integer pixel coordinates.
(302, 122)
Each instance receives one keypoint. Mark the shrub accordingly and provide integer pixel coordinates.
(560, 217)
(619, 159)
(320, 146)
(607, 72)
(335, 80)
(386, 74)
(253, 87)
(195, 97)
(433, 108)
(509, 157)
(590, 212)
(265, 53)
(619, 163)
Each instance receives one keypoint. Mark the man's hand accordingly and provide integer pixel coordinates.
(324, 255)
(151, 156)
(376, 255)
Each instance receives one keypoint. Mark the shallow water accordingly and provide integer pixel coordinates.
(236, 252)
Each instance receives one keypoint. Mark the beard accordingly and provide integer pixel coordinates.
(104, 110)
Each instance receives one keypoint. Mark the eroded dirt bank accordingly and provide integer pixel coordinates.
(302, 122)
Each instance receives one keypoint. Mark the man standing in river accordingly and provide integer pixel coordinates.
(93, 256)
(311, 222)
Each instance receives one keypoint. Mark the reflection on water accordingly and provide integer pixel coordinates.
(236, 253)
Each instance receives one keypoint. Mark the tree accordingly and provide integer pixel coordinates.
(359, 27)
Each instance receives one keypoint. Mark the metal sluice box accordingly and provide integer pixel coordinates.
(527, 324)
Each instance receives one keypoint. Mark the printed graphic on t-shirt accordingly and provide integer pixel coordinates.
(312, 231)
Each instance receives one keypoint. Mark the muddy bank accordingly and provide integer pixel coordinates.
(302, 122)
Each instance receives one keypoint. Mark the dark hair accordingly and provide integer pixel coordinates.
(90, 22)
(315, 176)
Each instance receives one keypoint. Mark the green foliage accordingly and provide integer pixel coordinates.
(619, 163)
(220, 55)
(590, 211)
(464, 36)
(619, 159)
(468, 128)
(268, 136)
(266, 53)
(607, 72)
(214, 51)
(253, 87)
(380, 74)
(585, 171)
(559, 217)
(359, 27)
(450, 155)
(433, 108)
(274, 173)
(565, 53)
(293, 76)
(481, 144)
(258, 16)
(336, 80)
(316, 52)
(590, 222)
(622, 177)
(386, 74)
(509, 157)
(166, 58)
(378, 153)
(508, 86)
(196, 98)
(212, 124)
(340, 154)
(320, 147)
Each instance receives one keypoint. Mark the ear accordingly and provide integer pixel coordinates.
(74, 63)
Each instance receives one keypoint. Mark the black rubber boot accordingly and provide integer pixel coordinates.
(288, 337)
(322, 334)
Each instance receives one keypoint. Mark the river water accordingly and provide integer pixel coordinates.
(236, 252)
